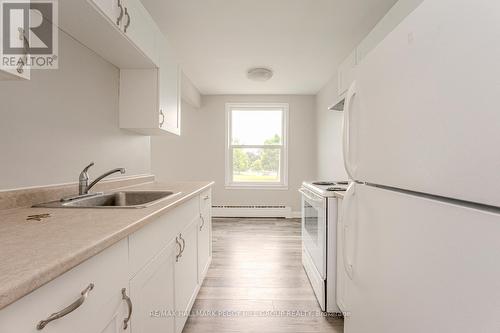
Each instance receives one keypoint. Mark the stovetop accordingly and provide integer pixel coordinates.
(327, 188)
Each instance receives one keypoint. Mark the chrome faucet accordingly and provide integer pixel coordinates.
(83, 184)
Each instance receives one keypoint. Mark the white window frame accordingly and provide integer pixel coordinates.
(283, 184)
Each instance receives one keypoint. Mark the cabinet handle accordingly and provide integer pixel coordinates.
(178, 255)
(206, 197)
(129, 304)
(162, 121)
(202, 222)
(22, 36)
(128, 20)
(183, 243)
(72, 307)
(20, 67)
(120, 17)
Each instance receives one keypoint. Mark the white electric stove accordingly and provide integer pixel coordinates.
(319, 238)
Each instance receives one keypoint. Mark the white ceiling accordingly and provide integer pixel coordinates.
(303, 41)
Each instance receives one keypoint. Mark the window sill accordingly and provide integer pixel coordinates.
(256, 187)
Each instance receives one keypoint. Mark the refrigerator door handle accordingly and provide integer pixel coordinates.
(347, 131)
(346, 205)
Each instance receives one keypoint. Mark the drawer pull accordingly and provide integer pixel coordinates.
(202, 222)
(129, 304)
(206, 197)
(72, 307)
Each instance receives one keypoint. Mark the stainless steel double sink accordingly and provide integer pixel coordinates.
(120, 199)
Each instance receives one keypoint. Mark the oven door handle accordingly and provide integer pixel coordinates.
(305, 194)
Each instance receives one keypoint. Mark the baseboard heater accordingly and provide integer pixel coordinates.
(252, 211)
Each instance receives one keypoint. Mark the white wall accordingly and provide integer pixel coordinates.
(54, 124)
(330, 165)
(199, 153)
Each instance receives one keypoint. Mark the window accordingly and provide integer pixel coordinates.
(256, 145)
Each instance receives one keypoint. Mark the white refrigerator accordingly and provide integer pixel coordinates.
(421, 223)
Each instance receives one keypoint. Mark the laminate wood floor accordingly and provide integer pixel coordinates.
(256, 282)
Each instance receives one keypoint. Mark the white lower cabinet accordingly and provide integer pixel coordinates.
(142, 284)
(204, 235)
(186, 273)
(102, 309)
(152, 292)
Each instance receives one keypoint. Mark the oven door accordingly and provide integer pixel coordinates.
(314, 229)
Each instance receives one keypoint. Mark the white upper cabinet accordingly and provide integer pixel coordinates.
(140, 28)
(19, 70)
(346, 73)
(121, 31)
(112, 9)
(169, 89)
(150, 98)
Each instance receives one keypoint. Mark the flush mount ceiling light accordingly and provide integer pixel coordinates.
(260, 74)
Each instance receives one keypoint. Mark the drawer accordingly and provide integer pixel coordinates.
(107, 271)
(152, 238)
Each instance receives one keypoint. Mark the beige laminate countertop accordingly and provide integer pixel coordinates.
(33, 253)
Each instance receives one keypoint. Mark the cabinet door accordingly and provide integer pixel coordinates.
(112, 9)
(186, 274)
(16, 69)
(138, 100)
(140, 28)
(204, 235)
(152, 294)
(169, 91)
(115, 312)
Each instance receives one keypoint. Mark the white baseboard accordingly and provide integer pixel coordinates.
(254, 211)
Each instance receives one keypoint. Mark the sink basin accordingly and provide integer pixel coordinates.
(121, 199)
